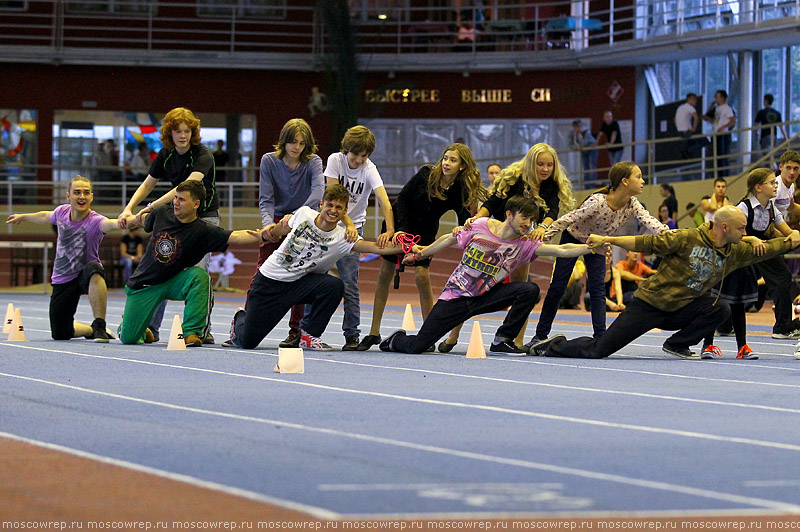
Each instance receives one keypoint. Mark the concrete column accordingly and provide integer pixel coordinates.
(744, 117)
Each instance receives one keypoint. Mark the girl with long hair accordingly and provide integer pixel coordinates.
(602, 213)
(453, 183)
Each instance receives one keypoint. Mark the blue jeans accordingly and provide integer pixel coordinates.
(348, 272)
(723, 149)
(595, 271)
(158, 315)
(615, 156)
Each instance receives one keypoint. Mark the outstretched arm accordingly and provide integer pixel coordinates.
(625, 242)
(563, 250)
(246, 236)
(41, 217)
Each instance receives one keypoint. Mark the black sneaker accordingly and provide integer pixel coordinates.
(350, 343)
(540, 348)
(368, 341)
(208, 339)
(386, 345)
(99, 333)
(293, 340)
(507, 347)
(680, 352)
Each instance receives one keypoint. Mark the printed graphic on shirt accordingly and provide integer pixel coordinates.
(73, 246)
(354, 186)
(484, 263)
(304, 248)
(167, 249)
(703, 261)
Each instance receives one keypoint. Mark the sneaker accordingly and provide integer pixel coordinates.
(156, 336)
(99, 333)
(208, 339)
(293, 340)
(680, 352)
(788, 335)
(368, 341)
(797, 351)
(444, 347)
(231, 342)
(149, 337)
(350, 343)
(539, 348)
(508, 347)
(308, 341)
(745, 353)
(193, 340)
(386, 345)
(710, 351)
(535, 340)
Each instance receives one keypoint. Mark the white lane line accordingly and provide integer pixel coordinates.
(527, 464)
(186, 479)
(435, 402)
(446, 374)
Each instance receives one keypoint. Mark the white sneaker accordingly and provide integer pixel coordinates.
(797, 351)
(308, 341)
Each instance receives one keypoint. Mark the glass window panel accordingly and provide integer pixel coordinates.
(390, 152)
(109, 6)
(430, 141)
(773, 76)
(689, 77)
(716, 76)
(665, 73)
(242, 8)
(794, 88)
(526, 135)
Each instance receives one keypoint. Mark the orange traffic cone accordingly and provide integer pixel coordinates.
(176, 341)
(408, 320)
(17, 333)
(9, 319)
(476, 349)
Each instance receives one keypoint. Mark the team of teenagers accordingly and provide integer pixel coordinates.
(312, 223)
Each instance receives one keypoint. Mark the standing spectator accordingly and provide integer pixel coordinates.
(668, 193)
(492, 173)
(722, 117)
(131, 249)
(182, 158)
(290, 177)
(582, 140)
(611, 135)
(686, 122)
(764, 119)
(710, 204)
(352, 169)
(221, 160)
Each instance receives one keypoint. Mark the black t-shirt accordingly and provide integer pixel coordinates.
(417, 214)
(174, 246)
(548, 191)
(132, 243)
(608, 129)
(767, 116)
(176, 168)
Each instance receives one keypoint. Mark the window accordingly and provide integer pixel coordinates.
(13, 5)
(716, 77)
(242, 8)
(794, 88)
(689, 77)
(110, 6)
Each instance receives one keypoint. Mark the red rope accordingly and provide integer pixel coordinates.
(407, 241)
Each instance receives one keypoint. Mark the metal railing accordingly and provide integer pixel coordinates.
(141, 31)
(239, 200)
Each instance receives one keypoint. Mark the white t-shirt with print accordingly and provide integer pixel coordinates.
(306, 249)
(784, 197)
(722, 115)
(359, 183)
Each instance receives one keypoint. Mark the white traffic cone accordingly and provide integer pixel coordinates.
(176, 341)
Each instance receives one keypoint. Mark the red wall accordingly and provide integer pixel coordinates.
(275, 96)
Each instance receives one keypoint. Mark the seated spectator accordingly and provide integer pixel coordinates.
(632, 271)
(131, 249)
